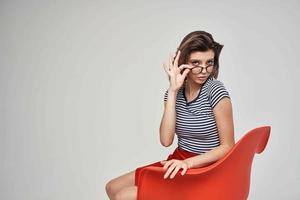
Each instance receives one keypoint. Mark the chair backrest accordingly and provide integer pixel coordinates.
(252, 142)
(226, 179)
(233, 172)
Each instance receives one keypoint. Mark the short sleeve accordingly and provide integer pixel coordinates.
(166, 95)
(216, 92)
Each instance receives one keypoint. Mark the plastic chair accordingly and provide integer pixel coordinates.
(226, 179)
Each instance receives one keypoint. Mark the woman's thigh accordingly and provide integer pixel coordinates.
(122, 181)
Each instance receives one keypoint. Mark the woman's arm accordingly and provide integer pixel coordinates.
(224, 120)
(168, 122)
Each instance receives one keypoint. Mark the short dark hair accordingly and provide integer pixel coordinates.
(199, 41)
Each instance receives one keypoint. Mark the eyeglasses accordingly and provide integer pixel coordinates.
(197, 69)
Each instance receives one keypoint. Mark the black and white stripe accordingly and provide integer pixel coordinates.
(196, 127)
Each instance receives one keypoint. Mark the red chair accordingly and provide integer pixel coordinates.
(225, 179)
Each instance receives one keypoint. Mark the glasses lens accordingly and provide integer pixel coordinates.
(210, 68)
(196, 70)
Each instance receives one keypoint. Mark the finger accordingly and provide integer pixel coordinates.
(170, 61)
(175, 171)
(185, 72)
(169, 170)
(184, 170)
(185, 66)
(163, 162)
(177, 58)
(166, 68)
(173, 57)
(167, 164)
(181, 67)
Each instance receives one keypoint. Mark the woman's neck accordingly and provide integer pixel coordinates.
(192, 88)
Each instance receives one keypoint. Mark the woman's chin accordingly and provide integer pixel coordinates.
(201, 80)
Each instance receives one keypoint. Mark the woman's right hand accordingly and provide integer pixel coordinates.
(174, 72)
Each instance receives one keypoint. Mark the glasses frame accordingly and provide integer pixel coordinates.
(201, 68)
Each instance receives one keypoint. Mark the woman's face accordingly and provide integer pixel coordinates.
(203, 59)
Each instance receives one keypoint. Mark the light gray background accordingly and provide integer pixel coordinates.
(82, 88)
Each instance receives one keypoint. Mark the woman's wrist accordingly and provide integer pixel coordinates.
(170, 90)
(188, 163)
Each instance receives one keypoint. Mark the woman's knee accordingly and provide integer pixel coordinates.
(111, 188)
(115, 185)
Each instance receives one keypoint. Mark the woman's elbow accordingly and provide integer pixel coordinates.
(166, 143)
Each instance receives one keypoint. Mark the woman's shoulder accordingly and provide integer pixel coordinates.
(216, 91)
(214, 81)
(214, 84)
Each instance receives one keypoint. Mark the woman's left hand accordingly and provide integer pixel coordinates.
(175, 165)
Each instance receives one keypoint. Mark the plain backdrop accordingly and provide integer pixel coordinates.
(82, 86)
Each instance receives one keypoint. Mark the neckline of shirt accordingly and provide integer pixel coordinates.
(198, 95)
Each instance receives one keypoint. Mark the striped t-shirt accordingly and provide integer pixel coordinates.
(196, 128)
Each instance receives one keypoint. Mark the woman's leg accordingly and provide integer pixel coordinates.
(117, 184)
(125, 186)
(127, 193)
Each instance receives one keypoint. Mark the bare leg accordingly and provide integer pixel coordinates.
(122, 182)
(127, 193)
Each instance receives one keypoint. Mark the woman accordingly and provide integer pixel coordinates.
(197, 108)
